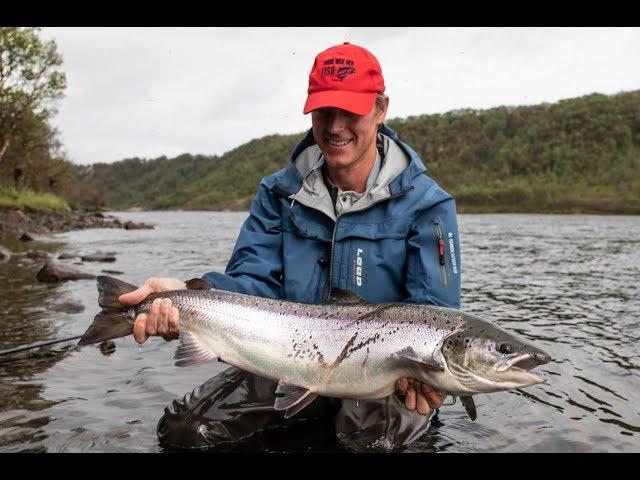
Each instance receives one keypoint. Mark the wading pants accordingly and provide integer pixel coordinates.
(234, 411)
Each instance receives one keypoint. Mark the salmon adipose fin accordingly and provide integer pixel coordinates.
(115, 320)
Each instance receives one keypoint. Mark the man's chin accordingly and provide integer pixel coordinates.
(337, 161)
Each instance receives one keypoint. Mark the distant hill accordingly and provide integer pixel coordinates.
(576, 155)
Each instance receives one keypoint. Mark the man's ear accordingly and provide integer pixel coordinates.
(382, 113)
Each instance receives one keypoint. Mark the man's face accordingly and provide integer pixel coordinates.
(345, 138)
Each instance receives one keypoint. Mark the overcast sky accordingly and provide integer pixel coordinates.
(148, 92)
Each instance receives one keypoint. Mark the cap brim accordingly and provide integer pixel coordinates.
(354, 102)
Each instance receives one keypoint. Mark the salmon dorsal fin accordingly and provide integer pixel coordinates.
(198, 284)
(339, 295)
(292, 399)
(469, 406)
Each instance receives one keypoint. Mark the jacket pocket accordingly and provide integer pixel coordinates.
(441, 250)
(392, 228)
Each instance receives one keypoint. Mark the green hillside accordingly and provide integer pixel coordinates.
(576, 155)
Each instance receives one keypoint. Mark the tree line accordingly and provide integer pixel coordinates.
(576, 155)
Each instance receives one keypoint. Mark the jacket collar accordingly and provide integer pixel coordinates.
(291, 181)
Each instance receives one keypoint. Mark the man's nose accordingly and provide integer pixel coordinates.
(336, 121)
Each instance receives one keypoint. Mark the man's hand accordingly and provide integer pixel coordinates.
(162, 319)
(419, 396)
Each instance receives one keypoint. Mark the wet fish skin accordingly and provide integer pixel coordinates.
(346, 349)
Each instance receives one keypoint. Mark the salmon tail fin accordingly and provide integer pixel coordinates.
(107, 325)
(115, 320)
(109, 290)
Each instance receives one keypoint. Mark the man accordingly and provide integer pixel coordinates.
(353, 210)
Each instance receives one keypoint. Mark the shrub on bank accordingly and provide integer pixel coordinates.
(24, 198)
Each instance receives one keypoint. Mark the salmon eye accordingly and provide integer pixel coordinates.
(505, 348)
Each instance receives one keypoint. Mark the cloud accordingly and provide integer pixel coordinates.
(164, 91)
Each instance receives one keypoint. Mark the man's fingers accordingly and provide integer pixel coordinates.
(150, 286)
(410, 399)
(173, 331)
(136, 296)
(419, 396)
(401, 386)
(139, 328)
(152, 319)
(422, 406)
(433, 396)
(163, 319)
(174, 321)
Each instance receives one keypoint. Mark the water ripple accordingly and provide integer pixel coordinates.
(570, 283)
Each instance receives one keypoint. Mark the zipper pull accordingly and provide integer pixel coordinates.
(436, 222)
(441, 250)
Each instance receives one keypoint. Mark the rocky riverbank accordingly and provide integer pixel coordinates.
(18, 228)
(19, 222)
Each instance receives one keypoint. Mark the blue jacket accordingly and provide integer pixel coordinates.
(403, 247)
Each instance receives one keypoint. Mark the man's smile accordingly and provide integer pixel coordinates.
(342, 143)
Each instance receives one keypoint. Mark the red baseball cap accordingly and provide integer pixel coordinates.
(345, 76)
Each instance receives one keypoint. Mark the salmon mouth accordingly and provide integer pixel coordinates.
(521, 366)
(527, 361)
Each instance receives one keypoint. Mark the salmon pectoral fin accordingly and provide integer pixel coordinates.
(410, 354)
(292, 399)
(192, 351)
(469, 406)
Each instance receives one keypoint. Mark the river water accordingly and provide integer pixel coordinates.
(570, 283)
